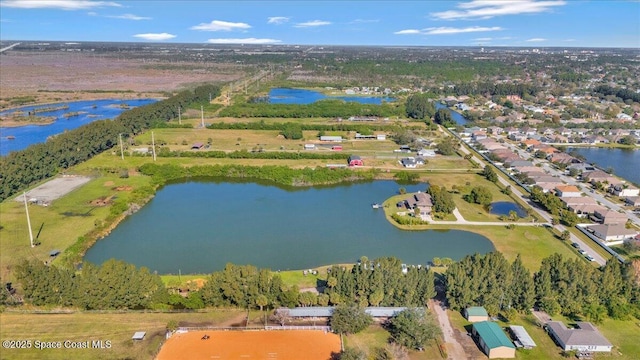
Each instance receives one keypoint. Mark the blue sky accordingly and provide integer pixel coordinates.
(529, 23)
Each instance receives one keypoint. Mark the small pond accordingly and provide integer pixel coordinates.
(505, 207)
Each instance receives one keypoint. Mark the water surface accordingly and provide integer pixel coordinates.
(624, 162)
(199, 226)
(505, 207)
(303, 96)
(87, 110)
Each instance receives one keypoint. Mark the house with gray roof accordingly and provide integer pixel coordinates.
(585, 337)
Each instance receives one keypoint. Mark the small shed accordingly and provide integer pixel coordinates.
(476, 313)
(355, 160)
(331, 138)
(139, 335)
(493, 341)
(309, 146)
(522, 337)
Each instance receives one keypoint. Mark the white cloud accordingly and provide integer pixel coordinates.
(244, 41)
(407, 32)
(536, 40)
(92, 13)
(57, 4)
(130, 17)
(486, 9)
(448, 30)
(155, 37)
(483, 39)
(312, 23)
(277, 20)
(218, 25)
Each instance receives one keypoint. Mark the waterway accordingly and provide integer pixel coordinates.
(456, 116)
(624, 162)
(304, 96)
(86, 111)
(198, 226)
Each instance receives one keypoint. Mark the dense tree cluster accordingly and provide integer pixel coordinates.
(490, 281)
(447, 146)
(443, 117)
(480, 195)
(247, 287)
(280, 126)
(573, 287)
(113, 285)
(624, 94)
(419, 106)
(40, 161)
(349, 319)
(442, 199)
(244, 154)
(323, 109)
(413, 328)
(490, 174)
(380, 282)
(282, 175)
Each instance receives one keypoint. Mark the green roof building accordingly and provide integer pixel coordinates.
(476, 313)
(493, 341)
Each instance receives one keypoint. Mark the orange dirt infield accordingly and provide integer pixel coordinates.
(247, 345)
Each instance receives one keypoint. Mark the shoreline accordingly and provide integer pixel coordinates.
(15, 124)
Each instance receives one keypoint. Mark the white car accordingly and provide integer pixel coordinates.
(590, 258)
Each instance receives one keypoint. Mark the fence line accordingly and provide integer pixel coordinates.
(255, 328)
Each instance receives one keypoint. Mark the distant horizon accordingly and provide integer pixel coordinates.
(72, 42)
(435, 23)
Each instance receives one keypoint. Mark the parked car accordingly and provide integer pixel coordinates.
(590, 258)
(582, 252)
(576, 245)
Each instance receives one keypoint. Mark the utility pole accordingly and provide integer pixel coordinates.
(121, 147)
(202, 115)
(26, 208)
(153, 146)
(179, 116)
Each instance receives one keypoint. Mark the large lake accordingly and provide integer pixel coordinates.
(90, 110)
(303, 96)
(199, 226)
(624, 162)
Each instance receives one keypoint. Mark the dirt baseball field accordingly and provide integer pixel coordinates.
(247, 345)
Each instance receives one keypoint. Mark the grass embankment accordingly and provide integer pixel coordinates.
(118, 328)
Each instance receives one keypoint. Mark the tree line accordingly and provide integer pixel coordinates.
(244, 154)
(322, 109)
(280, 126)
(570, 287)
(21, 169)
(282, 175)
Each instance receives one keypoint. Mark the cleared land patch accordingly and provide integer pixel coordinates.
(280, 345)
(54, 189)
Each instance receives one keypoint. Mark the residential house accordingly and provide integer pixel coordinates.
(612, 234)
(585, 337)
(624, 190)
(562, 158)
(610, 217)
(492, 340)
(309, 146)
(568, 191)
(409, 162)
(426, 153)
(331, 138)
(355, 160)
(632, 201)
(421, 201)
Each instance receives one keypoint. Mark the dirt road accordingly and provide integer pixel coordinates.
(455, 351)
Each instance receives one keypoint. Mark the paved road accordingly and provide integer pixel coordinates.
(546, 216)
(8, 47)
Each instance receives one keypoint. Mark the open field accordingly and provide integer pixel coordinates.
(118, 328)
(45, 77)
(376, 337)
(277, 344)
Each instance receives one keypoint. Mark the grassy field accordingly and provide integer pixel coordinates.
(118, 328)
(376, 337)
